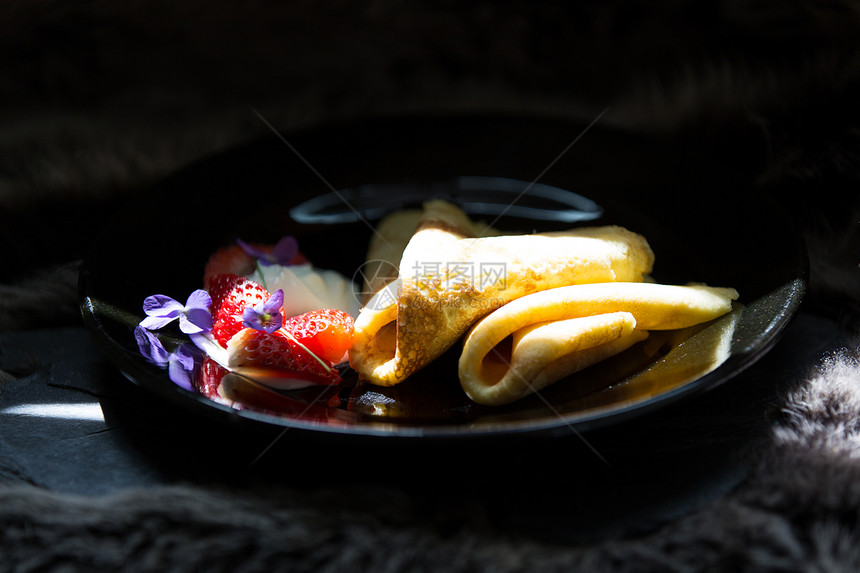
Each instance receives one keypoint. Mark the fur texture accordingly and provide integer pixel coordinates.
(796, 512)
(100, 99)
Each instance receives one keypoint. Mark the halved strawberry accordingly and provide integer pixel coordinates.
(326, 332)
(230, 295)
(256, 349)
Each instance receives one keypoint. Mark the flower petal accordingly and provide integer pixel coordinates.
(156, 322)
(252, 318)
(265, 315)
(274, 302)
(195, 320)
(183, 365)
(161, 305)
(150, 346)
(264, 321)
(188, 355)
(285, 250)
(275, 322)
(198, 299)
(179, 375)
(252, 251)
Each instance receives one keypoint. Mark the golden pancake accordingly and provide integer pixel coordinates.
(556, 332)
(448, 279)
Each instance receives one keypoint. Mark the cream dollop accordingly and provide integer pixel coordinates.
(309, 288)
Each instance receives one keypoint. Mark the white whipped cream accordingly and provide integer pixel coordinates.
(308, 288)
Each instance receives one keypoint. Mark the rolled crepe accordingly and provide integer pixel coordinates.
(393, 233)
(389, 238)
(448, 279)
(560, 331)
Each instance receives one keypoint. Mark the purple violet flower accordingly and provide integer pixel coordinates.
(181, 364)
(266, 315)
(194, 316)
(150, 346)
(282, 253)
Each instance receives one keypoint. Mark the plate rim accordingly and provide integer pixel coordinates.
(561, 425)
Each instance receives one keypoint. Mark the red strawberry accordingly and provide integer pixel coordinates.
(230, 295)
(327, 332)
(231, 260)
(234, 260)
(251, 348)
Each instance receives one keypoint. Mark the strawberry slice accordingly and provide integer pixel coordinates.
(256, 349)
(230, 295)
(308, 345)
(326, 332)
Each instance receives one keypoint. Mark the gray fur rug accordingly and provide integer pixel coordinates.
(101, 100)
(796, 510)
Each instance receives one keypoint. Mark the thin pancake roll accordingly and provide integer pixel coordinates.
(448, 278)
(541, 338)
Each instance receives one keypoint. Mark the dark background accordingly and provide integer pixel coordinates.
(100, 101)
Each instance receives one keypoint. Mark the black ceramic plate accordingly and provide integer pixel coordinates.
(328, 186)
